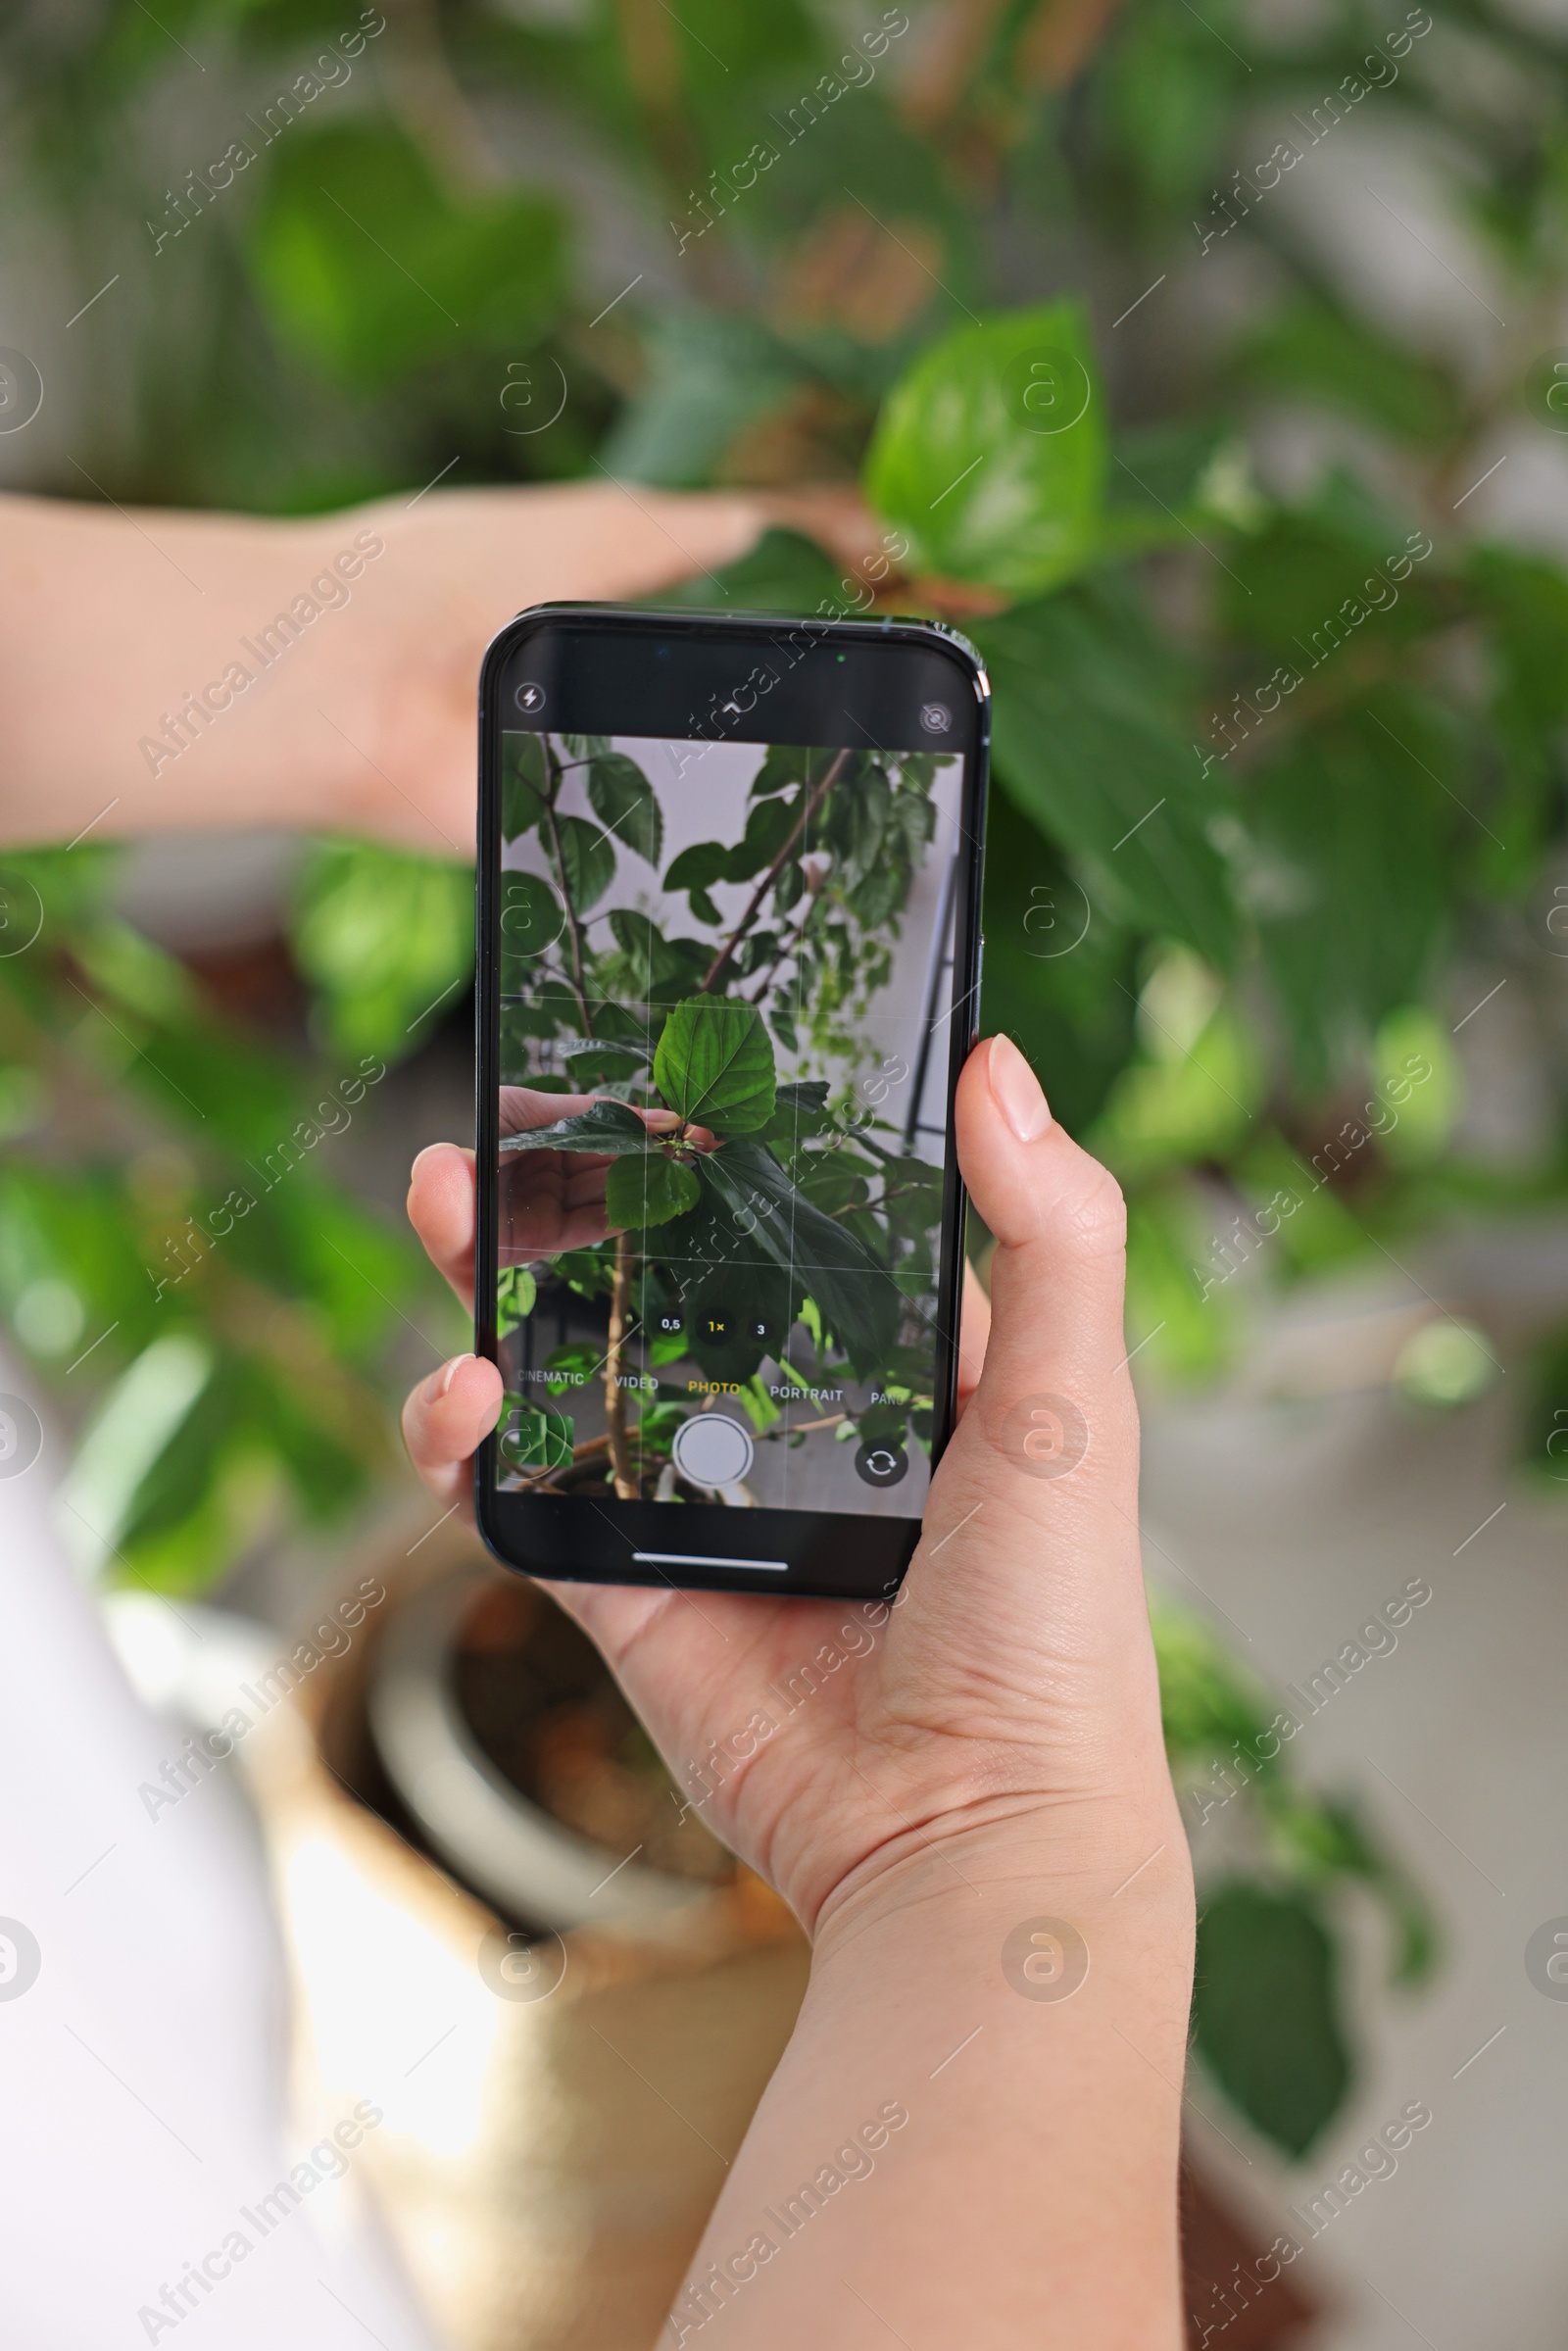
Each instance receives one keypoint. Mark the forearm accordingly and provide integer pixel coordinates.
(113, 628)
(1032, 2185)
(162, 669)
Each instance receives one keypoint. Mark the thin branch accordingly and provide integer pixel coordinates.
(814, 802)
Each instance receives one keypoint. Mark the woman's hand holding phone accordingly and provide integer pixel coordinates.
(921, 1781)
(1014, 1668)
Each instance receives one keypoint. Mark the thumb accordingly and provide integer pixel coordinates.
(1054, 1396)
(1056, 1277)
(1033, 1570)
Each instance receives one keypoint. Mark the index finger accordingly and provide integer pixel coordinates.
(441, 1212)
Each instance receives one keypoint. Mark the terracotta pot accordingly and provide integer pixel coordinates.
(559, 2110)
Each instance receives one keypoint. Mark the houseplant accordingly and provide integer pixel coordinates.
(1278, 751)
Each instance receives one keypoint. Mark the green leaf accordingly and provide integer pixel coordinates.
(707, 376)
(649, 1191)
(786, 763)
(781, 573)
(1089, 745)
(531, 920)
(588, 858)
(523, 784)
(608, 1128)
(369, 266)
(990, 453)
(1350, 893)
(1542, 1436)
(387, 940)
(1309, 350)
(1210, 1702)
(698, 868)
(856, 1295)
(1342, 572)
(800, 1110)
(572, 1365)
(1266, 2009)
(1526, 600)
(535, 1440)
(714, 1065)
(768, 825)
(624, 799)
(516, 1294)
(1060, 979)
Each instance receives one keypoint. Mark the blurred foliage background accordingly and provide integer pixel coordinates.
(1073, 288)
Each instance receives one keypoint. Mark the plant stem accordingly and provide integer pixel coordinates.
(626, 1486)
(574, 930)
(814, 802)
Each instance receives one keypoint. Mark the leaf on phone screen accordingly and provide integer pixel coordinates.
(535, 1440)
(523, 784)
(767, 827)
(608, 1128)
(786, 763)
(649, 1191)
(624, 799)
(991, 451)
(801, 1108)
(714, 1065)
(515, 1293)
(856, 1297)
(588, 856)
(531, 920)
(695, 870)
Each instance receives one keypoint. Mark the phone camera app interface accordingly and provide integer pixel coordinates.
(726, 975)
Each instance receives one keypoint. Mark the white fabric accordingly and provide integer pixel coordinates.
(142, 2073)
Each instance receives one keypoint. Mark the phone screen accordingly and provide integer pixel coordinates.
(726, 979)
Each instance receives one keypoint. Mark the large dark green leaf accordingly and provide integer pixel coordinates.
(1089, 743)
(714, 1065)
(1342, 571)
(623, 799)
(1352, 892)
(1060, 978)
(990, 454)
(1266, 2009)
(858, 1302)
(649, 1191)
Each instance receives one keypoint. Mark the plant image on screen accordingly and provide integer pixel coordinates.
(721, 1153)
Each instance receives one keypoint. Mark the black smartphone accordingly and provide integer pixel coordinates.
(728, 970)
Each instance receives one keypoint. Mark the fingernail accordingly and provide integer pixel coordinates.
(441, 1380)
(1017, 1091)
(422, 1155)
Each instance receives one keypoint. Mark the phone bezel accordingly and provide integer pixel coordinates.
(570, 1537)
